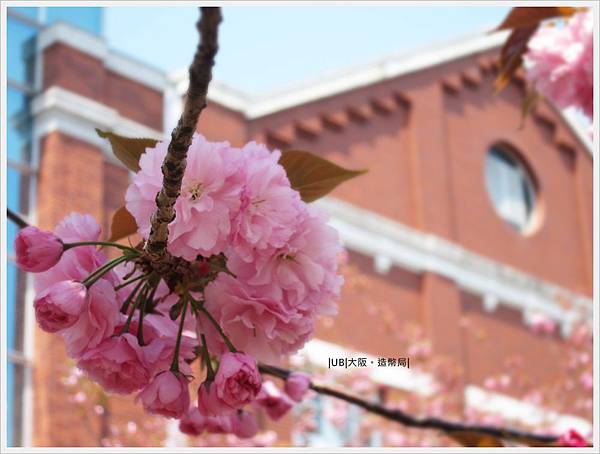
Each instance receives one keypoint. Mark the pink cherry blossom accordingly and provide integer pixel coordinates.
(236, 383)
(59, 306)
(256, 323)
(560, 62)
(37, 250)
(211, 191)
(167, 395)
(573, 439)
(244, 424)
(96, 322)
(195, 423)
(271, 399)
(269, 206)
(296, 385)
(117, 364)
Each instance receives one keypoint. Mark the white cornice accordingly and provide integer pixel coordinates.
(96, 47)
(392, 243)
(57, 109)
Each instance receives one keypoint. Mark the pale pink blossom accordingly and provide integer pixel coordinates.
(560, 60)
(269, 206)
(37, 250)
(244, 424)
(587, 381)
(273, 401)
(117, 364)
(542, 324)
(194, 423)
(210, 196)
(256, 323)
(236, 383)
(296, 385)
(59, 306)
(167, 395)
(96, 322)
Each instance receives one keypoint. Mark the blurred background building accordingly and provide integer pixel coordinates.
(467, 226)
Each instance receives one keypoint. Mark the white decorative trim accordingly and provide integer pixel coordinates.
(318, 352)
(96, 47)
(62, 110)
(374, 235)
(490, 302)
(383, 264)
(516, 409)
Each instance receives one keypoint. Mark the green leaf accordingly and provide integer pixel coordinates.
(127, 149)
(123, 224)
(312, 176)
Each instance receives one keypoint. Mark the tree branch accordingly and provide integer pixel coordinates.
(10, 214)
(411, 421)
(173, 168)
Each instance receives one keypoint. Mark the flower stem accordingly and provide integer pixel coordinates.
(131, 281)
(141, 297)
(92, 278)
(175, 363)
(210, 373)
(219, 329)
(100, 243)
(129, 298)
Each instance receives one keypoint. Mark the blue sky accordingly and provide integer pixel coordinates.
(265, 48)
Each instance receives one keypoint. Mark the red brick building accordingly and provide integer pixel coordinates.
(462, 213)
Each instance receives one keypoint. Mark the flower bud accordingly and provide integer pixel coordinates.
(37, 250)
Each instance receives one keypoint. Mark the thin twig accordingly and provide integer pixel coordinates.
(411, 421)
(173, 166)
(22, 223)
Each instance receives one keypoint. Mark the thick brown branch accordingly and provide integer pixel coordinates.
(173, 167)
(411, 421)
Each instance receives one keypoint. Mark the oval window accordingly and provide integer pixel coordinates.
(510, 187)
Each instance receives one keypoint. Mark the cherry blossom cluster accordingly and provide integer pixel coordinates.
(260, 267)
(560, 61)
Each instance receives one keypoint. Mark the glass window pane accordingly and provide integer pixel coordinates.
(30, 12)
(11, 233)
(19, 129)
(9, 403)
(20, 39)
(89, 19)
(11, 299)
(17, 190)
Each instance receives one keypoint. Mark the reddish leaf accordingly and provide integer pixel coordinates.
(524, 17)
(312, 176)
(123, 224)
(127, 149)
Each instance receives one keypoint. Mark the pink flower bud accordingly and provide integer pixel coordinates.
(236, 383)
(244, 424)
(59, 306)
(167, 395)
(573, 439)
(275, 403)
(37, 250)
(296, 385)
(193, 423)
